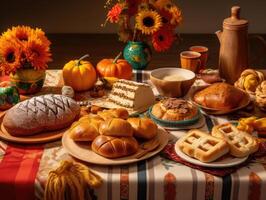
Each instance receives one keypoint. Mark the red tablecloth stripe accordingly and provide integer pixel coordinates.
(18, 170)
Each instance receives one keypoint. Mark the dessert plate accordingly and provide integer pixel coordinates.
(31, 139)
(225, 161)
(82, 151)
(244, 103)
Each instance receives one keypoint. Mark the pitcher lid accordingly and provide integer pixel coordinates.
(235, 22)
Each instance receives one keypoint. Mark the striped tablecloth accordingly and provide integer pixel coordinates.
(24, 171)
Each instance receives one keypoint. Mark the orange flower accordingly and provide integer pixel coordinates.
(22, 33)
(41, 35)
(162, 39)
(10, 56)
(113, 14)
(37, 54)
(176, 15)
(166, 16)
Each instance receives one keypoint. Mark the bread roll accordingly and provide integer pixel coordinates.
(143, 128)
(41, 113)
(86, 129)
(114, 113)
(114, 147)
(116, 127)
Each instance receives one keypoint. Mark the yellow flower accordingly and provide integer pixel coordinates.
(176, 15)
(148, 21)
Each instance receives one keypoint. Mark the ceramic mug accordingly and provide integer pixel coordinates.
(190, 60)
(204, 54)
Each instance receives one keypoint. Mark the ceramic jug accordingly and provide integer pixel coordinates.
(233, 57)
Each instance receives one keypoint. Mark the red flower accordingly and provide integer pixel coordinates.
(162, 39)
(113, 14)
(133, 7)
(166, 16)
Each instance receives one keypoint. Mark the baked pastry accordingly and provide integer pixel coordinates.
(86, 129)
(202, 146)
(42, 113)
(241, 144)
(249, 80)
(116, 127)
(132, 95)
(143, 128)
(173, 109)
(114, 147)
(220, 96)
(261, 96)
(114, 113)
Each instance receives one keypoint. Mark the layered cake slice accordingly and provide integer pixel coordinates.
(132, 95)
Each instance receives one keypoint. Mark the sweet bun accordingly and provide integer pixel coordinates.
(114, 113)
(86, 129)
(143, 128)
(116, 127)
(114, 147)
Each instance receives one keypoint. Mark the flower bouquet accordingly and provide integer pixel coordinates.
(153, 22)
(24, 54)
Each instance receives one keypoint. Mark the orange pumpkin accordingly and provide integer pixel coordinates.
(118, 68)
(79, 74)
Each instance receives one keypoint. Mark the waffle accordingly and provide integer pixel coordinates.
(241, 144)
(202, 146)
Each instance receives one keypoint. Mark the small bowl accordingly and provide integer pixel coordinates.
(172, 88)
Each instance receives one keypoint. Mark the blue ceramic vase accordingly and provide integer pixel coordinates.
(138, 54)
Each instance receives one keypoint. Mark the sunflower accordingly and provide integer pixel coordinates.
(22, 33)
(176, 15)
(162, 39)
(148, 21)
(37, 54)
(10, 53)
(114, 13)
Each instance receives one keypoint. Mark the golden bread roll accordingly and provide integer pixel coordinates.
(114, 113)
(143, 128)
(86, 129)
(241, 143)
(173, 109)
(116, 127)
(114, 147)
(220, 96)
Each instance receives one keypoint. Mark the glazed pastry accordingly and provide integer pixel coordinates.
(116, 127)
(143, 128)
(41, 113)
(202, 146)
(220, 96)
(114, 147)
(174, 110)
(241, 143)
(86, 129)
(249, 80)
(132, 95)
(261, 96)
(114, 113)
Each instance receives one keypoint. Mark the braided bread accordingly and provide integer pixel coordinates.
(261, 96)
(41, 113)
(249, 80)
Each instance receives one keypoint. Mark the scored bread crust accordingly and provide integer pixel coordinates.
(241, 144)
(114, 147)
(39, 114)
(143, 128)
(202, 146)
(116, 127)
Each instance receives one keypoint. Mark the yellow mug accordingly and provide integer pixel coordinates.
(190, 60)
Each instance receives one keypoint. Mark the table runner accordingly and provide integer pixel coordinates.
(153, 179)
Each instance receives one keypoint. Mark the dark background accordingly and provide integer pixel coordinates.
(74, 28)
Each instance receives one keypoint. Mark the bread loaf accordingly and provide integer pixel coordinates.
(143, 128)
(86, 129)
(41, 113)
(114, 147)
(116, 127)
(114, 113)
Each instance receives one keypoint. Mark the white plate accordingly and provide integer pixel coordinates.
(83, 151)
(226, 162)
(199, 124)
